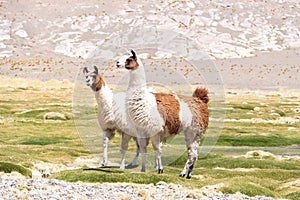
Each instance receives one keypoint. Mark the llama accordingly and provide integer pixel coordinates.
(160, 116)
(111, 115)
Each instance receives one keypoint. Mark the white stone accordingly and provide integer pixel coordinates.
(256, 109)
(21, 33)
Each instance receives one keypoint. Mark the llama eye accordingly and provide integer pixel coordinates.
(86, 76)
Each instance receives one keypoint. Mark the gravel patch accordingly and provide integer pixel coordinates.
(14, 186)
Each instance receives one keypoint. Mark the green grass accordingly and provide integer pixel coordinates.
(243, 107)
(293, 195)
(272, 140)
(37, 114)
(10, 167)
(214, 160)
(45, 140)
(25, 138)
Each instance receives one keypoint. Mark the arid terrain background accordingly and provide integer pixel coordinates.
(254, 46)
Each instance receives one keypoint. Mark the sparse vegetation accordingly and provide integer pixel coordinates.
(26, 138)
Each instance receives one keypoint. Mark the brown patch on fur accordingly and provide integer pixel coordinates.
(202, 94)
(98, 83)
(199, 111)
(131, 63)
(169, 107)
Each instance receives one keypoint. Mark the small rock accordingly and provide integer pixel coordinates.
(296, 110)
(288, 120)
(36, 174)
(54, 116)
(256, 109)
(257, 120)
(274, 114)
(161, 183)
(259, 154)
(142, 193)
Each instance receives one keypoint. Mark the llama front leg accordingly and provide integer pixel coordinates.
(108, 134)
(105, 147)
(124, 146)
(143, 148)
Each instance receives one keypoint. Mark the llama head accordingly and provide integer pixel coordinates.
(93, 79)
(129, 61)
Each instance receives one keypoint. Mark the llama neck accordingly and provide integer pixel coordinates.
(137, 78)
(104, 99)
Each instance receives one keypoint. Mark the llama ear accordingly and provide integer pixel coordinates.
(133, 54)
(96, 70)
(85, 70)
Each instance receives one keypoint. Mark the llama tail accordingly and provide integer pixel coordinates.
(202, 94)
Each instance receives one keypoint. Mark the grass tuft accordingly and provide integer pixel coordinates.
(293, 196)
(45, 141)
(10, 167)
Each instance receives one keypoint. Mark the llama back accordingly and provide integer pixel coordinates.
(168, 107)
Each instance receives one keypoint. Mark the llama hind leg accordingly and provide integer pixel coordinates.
(183, 172)
(192, 146)
(193, 155)
(189, 165)
(156, 144)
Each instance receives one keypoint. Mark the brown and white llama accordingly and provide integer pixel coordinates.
(111, 114)
(160, 116)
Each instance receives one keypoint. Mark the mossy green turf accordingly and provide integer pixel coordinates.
(249, 176)
(10, 167)
(26, 138)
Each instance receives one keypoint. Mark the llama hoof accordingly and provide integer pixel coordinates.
(143, 170)
(189, 176)
(103, 165)
(122, 167)
(160, 171)
(181, 175)
(132, 164)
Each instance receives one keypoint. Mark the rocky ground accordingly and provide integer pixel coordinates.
(14, 186)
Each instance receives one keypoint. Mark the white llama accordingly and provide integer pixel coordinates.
(111, 114)
(160, 116)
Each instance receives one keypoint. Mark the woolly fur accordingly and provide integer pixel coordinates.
(160, 116)
(111, 113)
